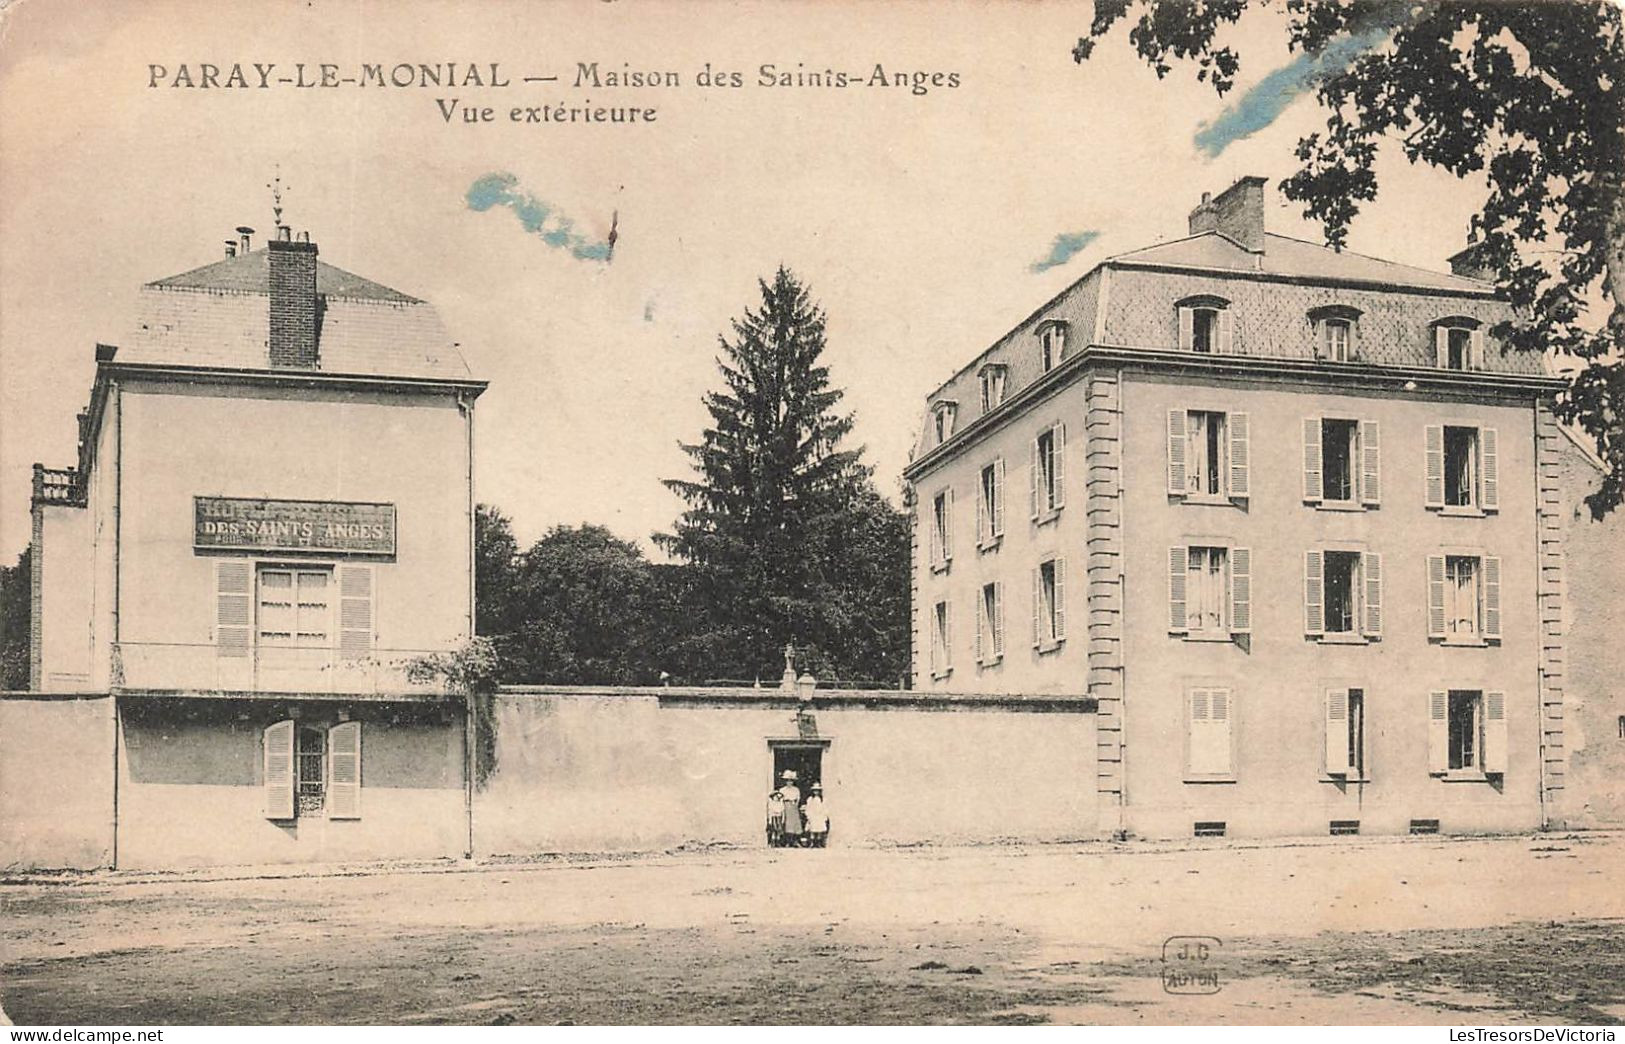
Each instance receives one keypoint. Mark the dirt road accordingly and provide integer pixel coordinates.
(1462, 931)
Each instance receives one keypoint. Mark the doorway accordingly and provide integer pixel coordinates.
(804, 758)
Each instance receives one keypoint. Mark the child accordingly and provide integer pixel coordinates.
(816, 816)
(775, 819)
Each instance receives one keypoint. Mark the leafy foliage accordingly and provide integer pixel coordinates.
(1526, 95)
(15, 608)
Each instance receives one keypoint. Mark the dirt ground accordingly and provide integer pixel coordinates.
(1345, 930)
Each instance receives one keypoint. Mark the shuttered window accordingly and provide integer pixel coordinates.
(234, 601)
(990, 624)
(356, 616)
(278, 770)
(1210, 591)
(1462, 467)
(990, 504)
(1342, 593)
(1342, 461)
(1345, 733)
(1208, 737)
(1209, 454)
(1464, 598)
(1048, 472)
(1049, 603)
(941, 640)
(1467, 732)
(942, 528)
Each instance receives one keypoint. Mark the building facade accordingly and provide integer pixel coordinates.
(270, 518)
(1288, 514)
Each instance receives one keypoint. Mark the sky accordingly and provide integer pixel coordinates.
(926, 223)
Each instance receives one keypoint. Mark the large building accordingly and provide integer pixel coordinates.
(270, 518)
(1288, 514)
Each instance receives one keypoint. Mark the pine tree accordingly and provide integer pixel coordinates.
(775, 494)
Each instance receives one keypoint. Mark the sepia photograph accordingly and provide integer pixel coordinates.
(812, 513)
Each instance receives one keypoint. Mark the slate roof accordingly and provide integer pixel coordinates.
(1290, 258)
(251, 273)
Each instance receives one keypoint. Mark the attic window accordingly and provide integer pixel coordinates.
(1458, 343)
(1051, 343)
(1336, 332)
(942, 419)
(1204, 325)
(992, 376)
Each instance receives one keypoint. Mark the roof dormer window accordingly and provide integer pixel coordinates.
(1204, 325)
(942, 419)
(1336, 332)
(1458, 343)
(993, 378)
(1051, 343)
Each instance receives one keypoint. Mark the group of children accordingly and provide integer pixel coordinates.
(792, 822)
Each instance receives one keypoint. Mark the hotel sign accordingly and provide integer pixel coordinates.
(329, 526)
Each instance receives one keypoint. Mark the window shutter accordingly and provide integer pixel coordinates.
(1314, 597)
(998, 497)
(1178, 563)
(1435, 596)
(1371, 567)
(1433, 440)
(1239, 455)
(1477, 349)
(947, 636)
(1038, 607)
(936, 533)
(355, 612)
(1490, 481)
(1492, 597)
(998, 620)
(1058, 472)
(1225, 332)
(1441, 346)
(279, 774)
(1033, 474)
(1060, 598)
(233, 607)
(1370, 463)
(1187, 329)
(1241, 590)
(981, 612)
(1438, 732)
(983, 515)
(1176, 453)
(948, 527)
(1220, 721)
(1495, 733)
(1313, 487)
(344, 771)
(1337, 732)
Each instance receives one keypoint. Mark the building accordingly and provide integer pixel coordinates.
(270, 518)
(1288, 514)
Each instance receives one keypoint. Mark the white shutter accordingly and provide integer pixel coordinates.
(981, 612)
(1226, 332)
(1058, 467)
(1492, 597)
(355, 612)
(1337, 732)
(1178, 563)
(1438, 732)
(1441, 346)
(1239, 455)
(1176, 453)
(1477, 349)
(279, 774)
(1038, 607)
(998, 497)
(983, 515)
(1314, 593)
(1436, 621)
(1187, 329)
(936, 533)
(1370, 463)
(1060, 598)
(1241, 590)
(1371, 568)
(1495, 733)
(1490, 480)
(344, 771)
(1313, 486)
(948, 527)
(998, 620)
(233, 607)
(1032, 473)
(1433, 441)
(947, 636)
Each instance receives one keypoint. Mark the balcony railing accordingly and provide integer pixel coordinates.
(59, 486)
(316, 671)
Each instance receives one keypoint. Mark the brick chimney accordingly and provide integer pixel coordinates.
(1472, 262)
(1237, 213)
(294, 318)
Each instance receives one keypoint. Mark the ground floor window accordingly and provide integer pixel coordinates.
(1209, 751)
(312, 769)
(1345, 733)
(1468, 733)
(1466, 725)
(312, 764)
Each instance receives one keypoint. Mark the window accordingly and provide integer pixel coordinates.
(1208, 748)
(1345, 733)
(309, 770)
(1458, 344)
(295, 608)
(941, 641)
(1049, 604)
(1342, 461)
(1051, 343)
(1204, 325)
(1209, 454)
(1342, 595)
(1048, 469)
(942, 532)
(1209, 592)
(990, 505)
(1467, 733)
(990, 625)
(1464, 598)
(1462, 468)
(293, 612)
(942, 419)
(1338, 337)
(992, 386)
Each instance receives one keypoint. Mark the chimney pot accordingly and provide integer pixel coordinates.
(284, 233)
(304, 237)
(231, 248)
(243, 233)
